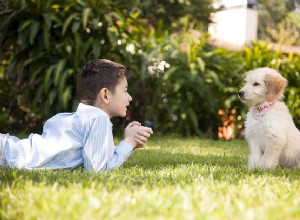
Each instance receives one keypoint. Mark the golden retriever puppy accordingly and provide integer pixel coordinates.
(271, 134)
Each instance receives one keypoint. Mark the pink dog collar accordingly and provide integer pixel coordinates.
(257, 115)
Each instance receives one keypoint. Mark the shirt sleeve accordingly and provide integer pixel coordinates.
(99, 152)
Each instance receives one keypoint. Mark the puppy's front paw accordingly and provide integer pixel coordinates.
(253, 166)
(252, 163)
(267, 164)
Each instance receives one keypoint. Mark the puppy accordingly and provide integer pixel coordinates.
(271, 134)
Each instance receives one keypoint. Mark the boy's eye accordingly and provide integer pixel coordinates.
(256, 84)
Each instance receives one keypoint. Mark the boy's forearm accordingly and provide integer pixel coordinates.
(132, 143)
(121, 154)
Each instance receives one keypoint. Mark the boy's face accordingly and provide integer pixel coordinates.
(119, 100)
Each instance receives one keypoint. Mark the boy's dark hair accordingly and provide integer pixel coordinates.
(96, 75)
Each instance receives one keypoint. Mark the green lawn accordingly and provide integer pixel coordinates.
(172, 178)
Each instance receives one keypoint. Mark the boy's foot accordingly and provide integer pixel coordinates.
(2, 156)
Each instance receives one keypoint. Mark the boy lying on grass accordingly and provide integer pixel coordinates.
(70, 140)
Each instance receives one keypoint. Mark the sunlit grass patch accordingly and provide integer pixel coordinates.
(172, 178)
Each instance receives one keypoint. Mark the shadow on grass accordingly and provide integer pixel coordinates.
(150, 167)
(153, 159)
(221, 165)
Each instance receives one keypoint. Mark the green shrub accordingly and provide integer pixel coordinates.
(46, 42)
(179, 81)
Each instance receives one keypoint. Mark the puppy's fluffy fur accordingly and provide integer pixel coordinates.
(272, 137)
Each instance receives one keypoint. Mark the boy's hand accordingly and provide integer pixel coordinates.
(134, 123)
(136, 134)
(143, 135)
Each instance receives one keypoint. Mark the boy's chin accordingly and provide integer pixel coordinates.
(122, 115)
(119, 115)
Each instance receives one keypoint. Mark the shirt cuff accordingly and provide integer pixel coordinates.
(124, 149)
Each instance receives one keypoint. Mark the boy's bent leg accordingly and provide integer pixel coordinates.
(2, 155)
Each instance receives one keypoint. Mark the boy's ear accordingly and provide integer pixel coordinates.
(104, 95)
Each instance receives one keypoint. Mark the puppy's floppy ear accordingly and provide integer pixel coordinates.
(275, 84)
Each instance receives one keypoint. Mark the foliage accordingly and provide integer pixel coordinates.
(194, 86)
(172, 11)
(45, 42)
(179, 81)
(182, 81)
(172, 178)
(279, 21)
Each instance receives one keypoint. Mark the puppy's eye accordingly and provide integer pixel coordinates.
(256, 84)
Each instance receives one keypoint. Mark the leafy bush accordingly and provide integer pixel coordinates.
(182, 81)
(172, 12)
(45, 42)
(179, 81)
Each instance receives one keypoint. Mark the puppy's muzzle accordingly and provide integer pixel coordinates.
(241, 94)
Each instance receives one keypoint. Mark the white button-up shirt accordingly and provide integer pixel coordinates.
(69, 140)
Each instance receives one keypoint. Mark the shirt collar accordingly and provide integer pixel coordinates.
(84, 107)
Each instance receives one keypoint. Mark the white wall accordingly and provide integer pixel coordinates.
(236, 25)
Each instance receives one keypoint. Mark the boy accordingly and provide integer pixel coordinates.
(84, 137)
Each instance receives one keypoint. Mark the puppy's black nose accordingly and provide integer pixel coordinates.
(241, 94)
